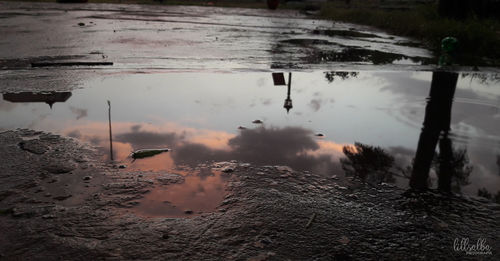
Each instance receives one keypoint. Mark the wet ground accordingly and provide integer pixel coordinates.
(189, 38)
(267, 213)
(246, 178)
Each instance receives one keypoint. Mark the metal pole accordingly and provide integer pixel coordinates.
(110, 135)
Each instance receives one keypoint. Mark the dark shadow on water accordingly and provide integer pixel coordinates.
(47, 97)
(332, 75)
(436, 127)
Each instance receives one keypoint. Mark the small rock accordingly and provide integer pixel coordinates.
(165, 236)
(81, 24)
(227, 169)
(241, 128)
(257, 122)
(340, 187)
(59, 168)
(353, 196)
(442, 224)
(284, 169)
(344, 240)
(335, 177)
(48, 216)
(122, 166)
(87, 178)
(245, 165)
(63, 197)
(189, 212)
(319, 135)
(266, 241)
(259, 244)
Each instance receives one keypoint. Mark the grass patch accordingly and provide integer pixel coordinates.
(479, 39)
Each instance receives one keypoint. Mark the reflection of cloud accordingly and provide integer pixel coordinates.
(80, 113)
(193, 154)
(74, 134)
(148, 139)
(315, 104)
(266, 101)
(205, 172)
(6, 106)
(283, 142)
(402, 156)
(470, 107)
(135, 128)
(261, 82)
(290, 146)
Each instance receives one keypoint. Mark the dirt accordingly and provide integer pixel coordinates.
(86, 211)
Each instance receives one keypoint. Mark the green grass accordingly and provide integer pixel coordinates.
(479, 39)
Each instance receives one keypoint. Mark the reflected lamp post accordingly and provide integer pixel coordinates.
(279, 79)
(288, 101)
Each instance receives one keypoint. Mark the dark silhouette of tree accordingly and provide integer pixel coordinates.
(484, 193)
(452, 167)
(436, 127)
(462, 9)
(367, 163)
(498, 164)
(497, 197)
(483, 78)
(330, 76)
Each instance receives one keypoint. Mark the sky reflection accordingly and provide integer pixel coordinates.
(198, 115)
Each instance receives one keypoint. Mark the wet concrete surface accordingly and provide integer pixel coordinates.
(268, 213)
(181, 37)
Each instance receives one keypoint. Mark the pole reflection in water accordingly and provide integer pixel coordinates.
(110, 133)
(436, 127)
(278, 80)
(288, 101)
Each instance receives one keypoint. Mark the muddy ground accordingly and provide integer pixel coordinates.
(59, 201)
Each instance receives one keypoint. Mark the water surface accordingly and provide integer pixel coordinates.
(211, 117)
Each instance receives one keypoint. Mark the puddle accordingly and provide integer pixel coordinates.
(209, 117)
(199, 192)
